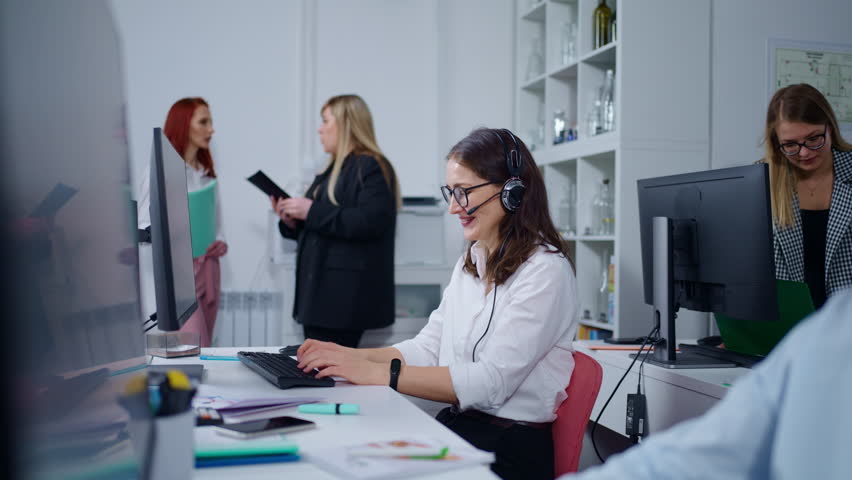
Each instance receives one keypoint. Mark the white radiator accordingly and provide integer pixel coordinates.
(249, 318)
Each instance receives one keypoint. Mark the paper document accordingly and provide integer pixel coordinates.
(240, 409)
(202, 218)
(352, 462)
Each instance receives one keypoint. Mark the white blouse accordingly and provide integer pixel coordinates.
(195, 180)
(525, 361)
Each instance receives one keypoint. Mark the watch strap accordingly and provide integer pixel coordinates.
(395, 368)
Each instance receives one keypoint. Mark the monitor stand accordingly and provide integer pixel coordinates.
(665, 349)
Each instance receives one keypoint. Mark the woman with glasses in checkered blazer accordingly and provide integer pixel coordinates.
(810, 169)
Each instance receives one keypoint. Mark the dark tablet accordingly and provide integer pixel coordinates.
(265, 184)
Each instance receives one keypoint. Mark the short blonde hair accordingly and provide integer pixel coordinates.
(795, 103)
(356, 134)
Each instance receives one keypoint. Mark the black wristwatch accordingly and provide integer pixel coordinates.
(395, 368)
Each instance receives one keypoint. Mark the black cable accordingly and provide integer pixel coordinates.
(493, 304)
(595, 424)
(152, 326)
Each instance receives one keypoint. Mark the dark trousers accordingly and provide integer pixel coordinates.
(346, 338)
(520, 452)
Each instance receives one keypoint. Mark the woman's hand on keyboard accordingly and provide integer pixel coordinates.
(333, 360)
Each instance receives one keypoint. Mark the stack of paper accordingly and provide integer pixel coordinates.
(245, 410)
(397, 458)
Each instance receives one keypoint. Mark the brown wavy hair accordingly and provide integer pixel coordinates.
(530, 226)
(795, 103)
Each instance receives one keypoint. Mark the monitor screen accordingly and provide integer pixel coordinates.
(723, 258)
(171, 241)
(73, 341)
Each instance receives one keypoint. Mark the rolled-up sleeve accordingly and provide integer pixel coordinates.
(538, 314)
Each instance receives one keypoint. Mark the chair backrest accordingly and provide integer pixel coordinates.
(573, 415)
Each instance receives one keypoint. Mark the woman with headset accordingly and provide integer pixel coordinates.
(499, 346)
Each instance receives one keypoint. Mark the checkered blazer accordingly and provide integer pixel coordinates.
(789, 257)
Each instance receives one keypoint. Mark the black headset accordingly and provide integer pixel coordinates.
(513, 190)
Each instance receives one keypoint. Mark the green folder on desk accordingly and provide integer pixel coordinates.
(202, 218)
(758, 337)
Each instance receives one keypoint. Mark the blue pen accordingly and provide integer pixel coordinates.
(330, 408)
(219, 357)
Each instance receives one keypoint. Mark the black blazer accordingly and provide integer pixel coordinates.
(345, 265)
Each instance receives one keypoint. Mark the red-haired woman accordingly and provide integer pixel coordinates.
(189, 127)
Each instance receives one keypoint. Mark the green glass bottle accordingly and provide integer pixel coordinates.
(601, 23)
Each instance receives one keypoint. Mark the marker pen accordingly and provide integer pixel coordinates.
(330, 408)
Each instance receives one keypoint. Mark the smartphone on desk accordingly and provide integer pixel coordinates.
(269, 426)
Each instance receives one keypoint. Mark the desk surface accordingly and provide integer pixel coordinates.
(673, 395)
(384, 414)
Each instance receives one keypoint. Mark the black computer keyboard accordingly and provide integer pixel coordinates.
(281, 370)
(741, 359)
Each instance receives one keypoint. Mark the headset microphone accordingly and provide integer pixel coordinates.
(470, 212)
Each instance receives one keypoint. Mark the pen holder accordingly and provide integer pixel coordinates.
(174, 446)
(173, 344)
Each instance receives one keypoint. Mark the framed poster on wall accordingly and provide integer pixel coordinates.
(825, 66)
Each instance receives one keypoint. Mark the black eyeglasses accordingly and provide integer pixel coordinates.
(459, 193)
(811, 143)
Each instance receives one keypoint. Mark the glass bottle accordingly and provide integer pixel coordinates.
(607, 211)
(608, 102)
(535, 60)
(602, 216)
(558, 127)
(566, 210)
(600, 24)
(603, 290)
(568, 37)
(613, 28)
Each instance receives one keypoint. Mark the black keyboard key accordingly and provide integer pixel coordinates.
(281, 370)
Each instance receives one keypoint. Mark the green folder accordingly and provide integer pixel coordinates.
(202, 218)
(759, 337)
(244, 448)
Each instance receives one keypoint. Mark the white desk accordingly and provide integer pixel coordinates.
(384, 413)
(673, 395)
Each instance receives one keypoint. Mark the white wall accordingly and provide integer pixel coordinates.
(430, 70)
(740, 92)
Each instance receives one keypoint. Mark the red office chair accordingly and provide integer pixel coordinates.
(573, 415)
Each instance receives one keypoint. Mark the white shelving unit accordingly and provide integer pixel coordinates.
(662, 101)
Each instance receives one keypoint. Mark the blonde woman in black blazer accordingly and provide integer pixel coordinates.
(345, 225)
(810, 166)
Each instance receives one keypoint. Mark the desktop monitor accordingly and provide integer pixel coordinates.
(171, 241)
(72, 343)
(707, 246)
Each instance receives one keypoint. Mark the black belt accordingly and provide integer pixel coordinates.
(499, 421)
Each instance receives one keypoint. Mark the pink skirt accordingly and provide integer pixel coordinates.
(207, 289)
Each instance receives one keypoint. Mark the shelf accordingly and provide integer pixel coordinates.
(601, 56)
(584, 147)
(595, 238)
(603, 326)
(536, 84)
(565, 72)
(535, 13)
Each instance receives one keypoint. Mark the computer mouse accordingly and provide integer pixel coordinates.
(290, 350)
